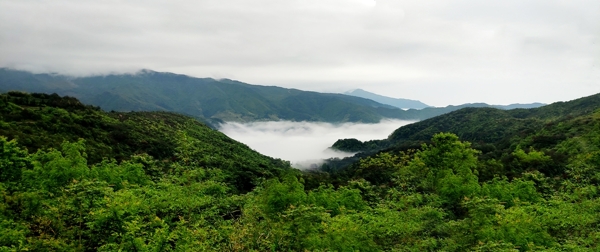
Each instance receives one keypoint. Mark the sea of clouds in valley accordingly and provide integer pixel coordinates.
(304, 143)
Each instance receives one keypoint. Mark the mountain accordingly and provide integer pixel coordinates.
(424, 111)
(42, 121)
(218, 100)
(75, 178)
(519, 105)
(430, 112)
(491, 125)
(210, 100)
(495, 132)
(479, 123)
(396, 102)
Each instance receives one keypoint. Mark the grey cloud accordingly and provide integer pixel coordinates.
(409, 47)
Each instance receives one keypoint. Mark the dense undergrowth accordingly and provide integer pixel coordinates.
(74, 178)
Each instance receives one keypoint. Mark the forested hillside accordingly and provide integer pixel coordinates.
(214, 100)
(211, 100)
(481, 126)
(41, 121)
(164, 182)
(554, 149)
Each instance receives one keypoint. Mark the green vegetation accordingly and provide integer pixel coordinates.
(74, 178)
(41, 121)
(204, 98)
(494, 132)
(209, 100)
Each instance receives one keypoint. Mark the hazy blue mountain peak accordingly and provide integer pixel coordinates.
(396, 102)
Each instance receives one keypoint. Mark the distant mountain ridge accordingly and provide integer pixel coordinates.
(479, 124)
(415, 104)
(210, 100)
(494, 132)
(215, 100)
(396, 102)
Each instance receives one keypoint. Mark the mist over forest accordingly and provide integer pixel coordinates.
(314, 125)
(305, 143)
(74, 177)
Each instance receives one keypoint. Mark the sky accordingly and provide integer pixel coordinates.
(440, 52)
(305, 143)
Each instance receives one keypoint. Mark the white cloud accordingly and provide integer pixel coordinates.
(304, 143)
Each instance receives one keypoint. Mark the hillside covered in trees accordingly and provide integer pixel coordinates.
(213, 101)
(75, 178)
(493, 131)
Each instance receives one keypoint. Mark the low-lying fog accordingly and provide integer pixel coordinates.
(305, 143)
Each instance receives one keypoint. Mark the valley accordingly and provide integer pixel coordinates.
(313, 125)
(305, 144)
(78, 178)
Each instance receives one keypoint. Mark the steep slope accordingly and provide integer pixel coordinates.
(479, 123)
(490, 125)
(41, 121)
(577, 107)
(497, 133)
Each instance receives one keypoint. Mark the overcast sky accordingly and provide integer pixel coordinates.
(440, 52)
